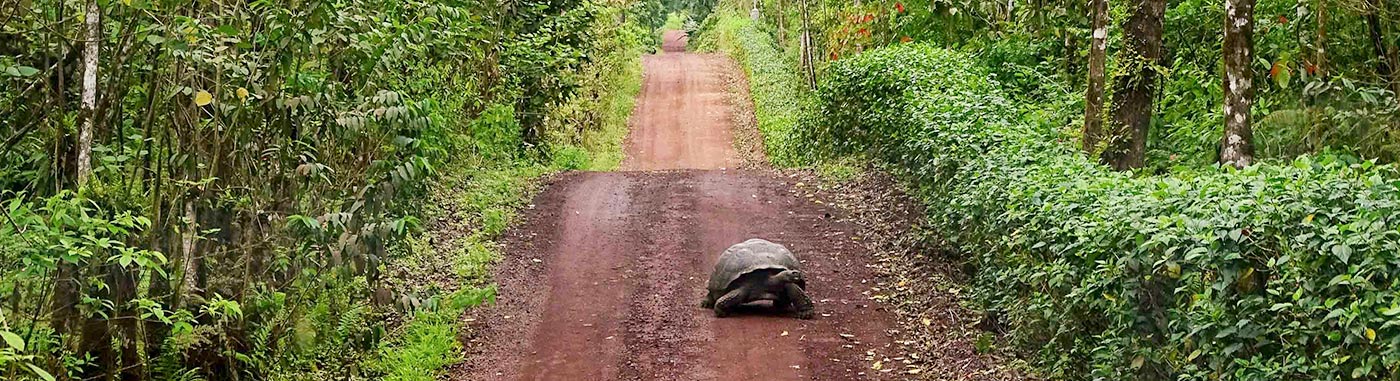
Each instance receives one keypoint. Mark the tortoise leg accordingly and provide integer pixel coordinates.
(731, 300)
(709, 301)
(782, 302)
(801, 304)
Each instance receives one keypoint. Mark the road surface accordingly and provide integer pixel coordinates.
(603, 276)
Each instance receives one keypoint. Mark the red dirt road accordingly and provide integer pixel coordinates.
(602, 279)
(681, 118)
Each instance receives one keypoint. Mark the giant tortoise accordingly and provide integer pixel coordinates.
(756, 270)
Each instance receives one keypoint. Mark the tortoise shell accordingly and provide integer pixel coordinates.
(747, 257)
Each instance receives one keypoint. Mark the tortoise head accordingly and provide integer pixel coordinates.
(789, 276)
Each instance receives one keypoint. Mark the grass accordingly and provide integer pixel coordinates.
(489, 203)
(605, 144)
(487, 200)
(429, 341)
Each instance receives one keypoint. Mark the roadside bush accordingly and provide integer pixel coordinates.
(1275, 272)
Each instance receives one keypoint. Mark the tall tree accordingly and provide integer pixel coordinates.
(782, 23)
(1134, 90)
(1093, 96)
(1319, 63)
(91, 39)
(1385, 62)
(1237, 145)
(807, 65)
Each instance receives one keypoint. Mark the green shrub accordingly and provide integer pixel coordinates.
(570, 158)
(1275, 272)
(779, 93)
(674, 21)
(428, 343)
(497, 133)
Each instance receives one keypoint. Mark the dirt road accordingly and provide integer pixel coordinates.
(681, 120)
(603, 277)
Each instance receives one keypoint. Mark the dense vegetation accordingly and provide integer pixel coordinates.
(235, 190)
(1321, 84)
(1285, 269)
(1142, 190)
(1273, 272)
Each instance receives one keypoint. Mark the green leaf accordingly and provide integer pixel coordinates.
(1342, 251)
(40, 372)
(13, 340)
(21, 71)
(1282, 73)
(227, 30)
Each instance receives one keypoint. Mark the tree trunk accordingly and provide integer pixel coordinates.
(1093, 96)
(1133, 92)
(1320, 49)
(808, 65)
(189, 266)
(92, 37)
(1319, 73)
(158, 287)
(65, 298)
(1237, 145)
(1071, 51)
(1385, 69)
(123, 283)
(96, 342)
(782, 23)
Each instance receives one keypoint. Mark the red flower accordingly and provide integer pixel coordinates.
(1282, 20)
(1312, 69)
(864, 32)
(899, 7)
(905, 39)
(869, 17)
(834, 56)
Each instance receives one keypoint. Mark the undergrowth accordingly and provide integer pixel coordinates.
(605, 144)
